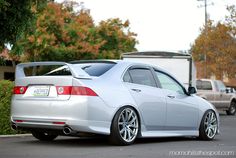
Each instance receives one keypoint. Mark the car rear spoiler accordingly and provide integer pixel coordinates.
(77, 73)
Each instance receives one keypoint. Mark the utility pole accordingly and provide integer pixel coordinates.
(206, 20)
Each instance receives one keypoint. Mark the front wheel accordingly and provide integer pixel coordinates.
(232, 108)
(125, 127)
(44, 136)
(209, 126)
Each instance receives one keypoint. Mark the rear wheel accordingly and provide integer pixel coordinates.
(232, 108)
(209, 126)
(44, 136)
(125, 127)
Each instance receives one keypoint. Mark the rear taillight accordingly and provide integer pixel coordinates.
(19, 89)
(64, 90)
(82, 91)
(75, 90)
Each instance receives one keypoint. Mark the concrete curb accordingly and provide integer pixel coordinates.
(16, 135)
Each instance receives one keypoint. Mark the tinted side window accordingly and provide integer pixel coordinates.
(199, 84)
(168, 83)
(127, 77)
(142, 76)
(204, 85)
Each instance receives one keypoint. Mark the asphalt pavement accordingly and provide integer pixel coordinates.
(26, 146)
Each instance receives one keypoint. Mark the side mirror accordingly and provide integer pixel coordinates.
(192, 90)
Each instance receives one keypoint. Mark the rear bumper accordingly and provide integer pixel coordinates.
(77, 126)
(80, 113)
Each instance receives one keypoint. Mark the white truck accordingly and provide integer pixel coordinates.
(180, 65)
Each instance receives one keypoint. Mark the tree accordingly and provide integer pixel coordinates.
(117, 36)
(231, 19)
(218, 44)
(15, 18)
(63, 34)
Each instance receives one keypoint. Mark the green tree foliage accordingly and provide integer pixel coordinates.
(5, 100)
(15, 17)
(63, 34)
(117, 37)
(216, 44)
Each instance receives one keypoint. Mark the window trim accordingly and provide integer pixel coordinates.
(129, 76)
(141, 67)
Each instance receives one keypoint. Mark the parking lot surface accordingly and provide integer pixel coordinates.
(224, 145)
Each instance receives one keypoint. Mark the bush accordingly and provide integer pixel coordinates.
(5, 102)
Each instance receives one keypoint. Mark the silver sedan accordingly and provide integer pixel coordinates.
(120, 99)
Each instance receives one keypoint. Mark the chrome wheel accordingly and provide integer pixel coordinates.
(210, 124)
(128, 124)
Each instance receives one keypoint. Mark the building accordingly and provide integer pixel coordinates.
(7, 66)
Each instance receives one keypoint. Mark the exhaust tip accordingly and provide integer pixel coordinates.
(67, 130)
(14, 127)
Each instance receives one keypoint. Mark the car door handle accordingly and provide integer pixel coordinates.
(136, 90)
(171, 96)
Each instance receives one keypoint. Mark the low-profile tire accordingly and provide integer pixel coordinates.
(209, 126)
(125, 127)
(232, 108)
(44, 136)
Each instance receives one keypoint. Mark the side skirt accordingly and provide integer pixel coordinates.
(164, 133)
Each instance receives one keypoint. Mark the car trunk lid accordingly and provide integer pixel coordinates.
(46, 80)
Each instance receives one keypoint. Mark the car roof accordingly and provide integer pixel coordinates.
(116, 62)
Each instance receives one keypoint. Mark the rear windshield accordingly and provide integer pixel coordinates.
(95, 69)
(47, 70)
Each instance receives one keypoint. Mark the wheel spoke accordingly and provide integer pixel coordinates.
(130, 115)
(208, 132)
(213, 121)
(125, 134)
(133, 120)
(120, 123)
(214, 126)
(129, 136)
(126, 115)
(122, 131)
(212, 132)
(212, 116)
(133, 126)
(122, 117)
(133, 133)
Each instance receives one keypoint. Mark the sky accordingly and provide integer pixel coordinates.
(161, 25)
